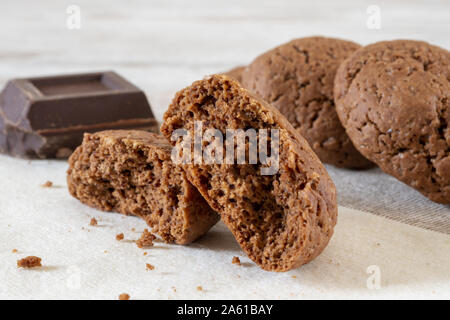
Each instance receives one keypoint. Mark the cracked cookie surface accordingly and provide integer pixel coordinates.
(393, 98)
(297, 78)
(281, 220)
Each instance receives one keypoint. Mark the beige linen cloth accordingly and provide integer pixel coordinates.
(369, 256)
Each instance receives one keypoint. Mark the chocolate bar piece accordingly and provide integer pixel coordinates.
(46, 117)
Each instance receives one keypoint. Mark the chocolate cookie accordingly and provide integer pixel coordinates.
(131, 172)
(236, 73)
(281, 219)
(297, 78)
(393, 99)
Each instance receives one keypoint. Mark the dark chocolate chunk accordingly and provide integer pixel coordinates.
(46, 117)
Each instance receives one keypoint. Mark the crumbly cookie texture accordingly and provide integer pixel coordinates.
(131, 172)
(393, 98)
(297, 79)
(281, 221)
(47, 184)
(146, 240)
(124, 296)
(120, 236)
(29, 262)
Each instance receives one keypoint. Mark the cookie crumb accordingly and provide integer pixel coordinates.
(29, 262)
(93, 222)
(124, 296)
(119, 236)
(145, 253)
(236, 260)
(14, 251)
(294, 277)
(47, 184)
(149, 266)
(200, 288)
(146, 239)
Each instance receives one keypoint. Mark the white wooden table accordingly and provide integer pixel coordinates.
(163, 46)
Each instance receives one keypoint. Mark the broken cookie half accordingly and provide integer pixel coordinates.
(280, 203)
(131, 172)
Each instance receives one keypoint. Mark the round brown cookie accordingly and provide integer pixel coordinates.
(393, 98)
(281, 219)
(297, 78)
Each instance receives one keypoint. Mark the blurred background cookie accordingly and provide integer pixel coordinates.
(393, 98)
(236, 73)
(297, 78)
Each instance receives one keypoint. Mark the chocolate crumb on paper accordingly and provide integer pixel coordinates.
(29, 262)
(93, 222)
(150, 267)
(47, 184)
(124, 296)
(200, 288)
(236, 260)
(146, 239)
(119, 237)
(14, 251)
